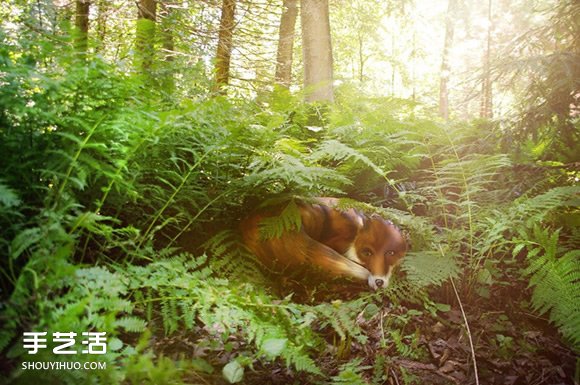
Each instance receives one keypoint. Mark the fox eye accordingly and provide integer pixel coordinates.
(366, 252)
(389, 253)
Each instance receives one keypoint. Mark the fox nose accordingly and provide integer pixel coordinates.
(379, 282)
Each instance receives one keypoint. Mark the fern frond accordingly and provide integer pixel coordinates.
(556, 282)
(301, 361)
(429, 267)
(350, 373)
(283, 172)
(231, 259)
(8, 197)
(131, 324)
(342, 318)
(534, 210)
(288, 221)
(332, 149)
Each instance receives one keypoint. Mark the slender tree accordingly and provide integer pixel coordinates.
(486, 95)
(145, 36)
(286, 43)
(445, 67)
(317, 50)
(82, 8)
(168, 45)
(102, 24)
(225, 44)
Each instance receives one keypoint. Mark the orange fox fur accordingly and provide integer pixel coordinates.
(342, 243)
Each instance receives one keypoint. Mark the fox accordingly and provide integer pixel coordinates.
(340, 243)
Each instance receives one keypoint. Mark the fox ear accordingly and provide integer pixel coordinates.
(368, 219)
(364, 221)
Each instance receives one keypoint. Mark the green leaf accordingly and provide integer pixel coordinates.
(8, 197)
(518, 248)
(233, 372)
(131, 324)
(24, 240)
(289, 220)
(443, 307)
(115, 344)
(201, 365)
(371, 310)
(273, 347)
(484, 277)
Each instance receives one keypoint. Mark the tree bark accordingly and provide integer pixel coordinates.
(101, 25)
(286, 43)
(361, 58)
(82, 8)
(145, 36)
(486, 95)
(168, 44)
(225, 44)
(445, 67)
(316, 50)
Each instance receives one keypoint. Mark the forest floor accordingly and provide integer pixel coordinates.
(512, 347)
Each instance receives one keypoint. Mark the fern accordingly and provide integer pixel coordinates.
(332, 149)
(131, 324)
(351, 373)
(8, 197)
(296, 357)
(555, 276)
(223, 307)
(229, 258)
(341, 316)
(403, 348)
(429, 267)
(536, 209)
(278, 172)
(524, 213)
(288, 221)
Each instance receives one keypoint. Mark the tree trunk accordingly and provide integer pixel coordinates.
(445, 68)
(317, 50)
(486, 102)
(393, 64)
(145, 36)
(414, 66)
(225, 43)
(168, 80)
(82, 27)
(361, 59)
(101, 25)
(286, 43)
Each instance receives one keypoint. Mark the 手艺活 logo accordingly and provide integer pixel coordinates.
(92, 342)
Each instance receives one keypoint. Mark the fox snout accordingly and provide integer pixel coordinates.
(379, 281)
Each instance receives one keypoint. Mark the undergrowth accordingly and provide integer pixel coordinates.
(121, 216)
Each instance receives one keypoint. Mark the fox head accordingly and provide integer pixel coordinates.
(379, 246)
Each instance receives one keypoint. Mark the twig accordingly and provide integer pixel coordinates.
(395, 376)
(468, 331)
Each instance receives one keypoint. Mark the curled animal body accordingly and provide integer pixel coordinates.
(337, 242)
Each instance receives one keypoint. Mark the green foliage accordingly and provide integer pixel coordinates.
(184, 293)
(429, 267)
(351, 373)
(233, 372)
(548, 121)
(554, 274)
(404, 349)
(289, 220)
(341, 317)
(537, 209)
(229, 258)
(119, 213)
